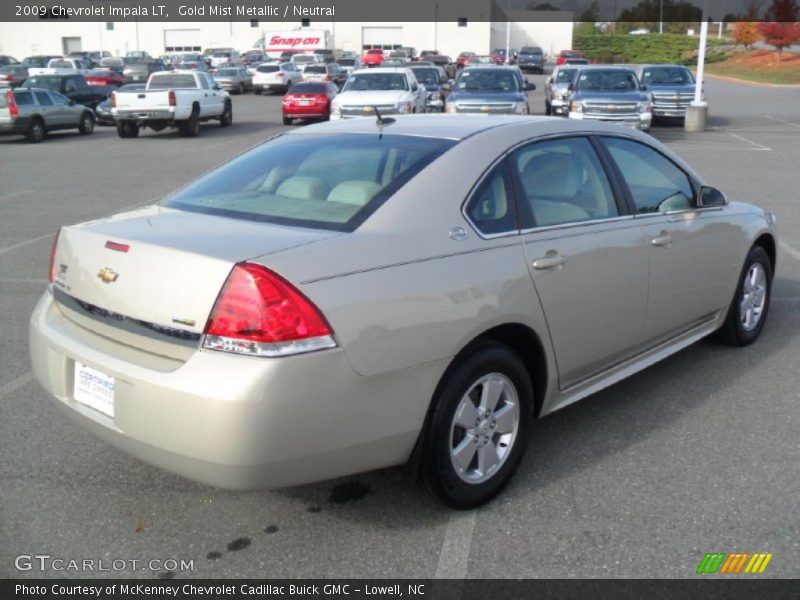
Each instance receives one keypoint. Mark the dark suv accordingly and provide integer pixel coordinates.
(531, 58)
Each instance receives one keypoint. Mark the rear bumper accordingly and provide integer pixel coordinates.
(237, 422)
(18, 126)
(142, 116)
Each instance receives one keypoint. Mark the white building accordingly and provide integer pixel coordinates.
(23, 39)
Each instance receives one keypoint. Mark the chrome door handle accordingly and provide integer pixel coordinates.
(549, 262)
(663, 241)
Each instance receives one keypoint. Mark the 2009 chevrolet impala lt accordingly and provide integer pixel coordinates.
(366, 293)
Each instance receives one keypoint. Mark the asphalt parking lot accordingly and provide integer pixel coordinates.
(700, 453)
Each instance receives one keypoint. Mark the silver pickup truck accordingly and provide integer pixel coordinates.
(181, 99)
(608, 93)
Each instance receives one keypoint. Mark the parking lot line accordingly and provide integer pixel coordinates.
(15, 384)
(793, 252)
(782, 121)
(454, 556)
(15, 194)
(50, 235)
(741, 138)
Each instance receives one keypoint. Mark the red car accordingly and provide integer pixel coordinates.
(104, 77)
(373, 58)
(308, 100)
(463, 58)
(479, 59)
(565, 55)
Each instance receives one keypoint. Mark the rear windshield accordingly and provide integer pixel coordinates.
(376, 82)
(268, 69)
(321, 181)
(530, 51)
(308, 87)
(50, 83)
(171, 81)
(304, 59)
(347, 62)
(316, 69)
(227, 72)
(60, 64)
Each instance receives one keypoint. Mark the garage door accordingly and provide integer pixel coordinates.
(388, 38)
(182, 40)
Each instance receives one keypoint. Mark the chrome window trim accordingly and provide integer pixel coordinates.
(576, 224)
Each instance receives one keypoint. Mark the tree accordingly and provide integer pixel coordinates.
(745, 33)
(540, 6)
(781, 29)
(590, 14)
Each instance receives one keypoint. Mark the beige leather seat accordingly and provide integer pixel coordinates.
(550, 182)
(303, 187)
(355, 191)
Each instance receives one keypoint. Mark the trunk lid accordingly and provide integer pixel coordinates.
(154, 285)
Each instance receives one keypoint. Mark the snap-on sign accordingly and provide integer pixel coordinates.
(277, 40)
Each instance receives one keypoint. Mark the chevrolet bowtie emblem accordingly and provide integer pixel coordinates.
(106, 275)
(367, 109)
(485, 109)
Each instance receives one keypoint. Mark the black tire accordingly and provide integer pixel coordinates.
(36, 131)
(122, 130)
(86, 125)
(257, 91)
(548, 108)
(287, 121)
(240, 90)
(133, 129)
(438, 474)
(734, 331)
(191, 126)
(226, 120)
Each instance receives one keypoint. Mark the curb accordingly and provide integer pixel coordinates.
(753, 83)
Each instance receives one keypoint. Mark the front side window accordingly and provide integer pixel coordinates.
(562, 181)
(315, 180)
(656, 183)
(491, 209)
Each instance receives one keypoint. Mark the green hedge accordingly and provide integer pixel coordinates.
(650, 48)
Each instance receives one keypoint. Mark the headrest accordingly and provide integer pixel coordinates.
(356, 191)
(304, 187)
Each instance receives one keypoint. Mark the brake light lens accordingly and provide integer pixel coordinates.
(258, 313)
(279, 74)
(172, 100)
(53, 251)
(12, 104)
(113, 99)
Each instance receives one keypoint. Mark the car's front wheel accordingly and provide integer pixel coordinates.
(748, 310)
(478, 429)
(86, 125)
(36, 131)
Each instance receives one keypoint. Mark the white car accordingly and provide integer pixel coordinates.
(277, 77)
(301, 61)
(221, 58)
(62, 66)
(390, 90)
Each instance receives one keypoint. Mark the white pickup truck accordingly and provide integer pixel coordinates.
(181, 99)
(61, 66)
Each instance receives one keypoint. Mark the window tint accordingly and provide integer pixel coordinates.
(170, 81)
(315, 180)
(562, 182)
(58, 99)
(491, 208)
(268, 69)
(21, 98)
(43, 98)
(656, 184)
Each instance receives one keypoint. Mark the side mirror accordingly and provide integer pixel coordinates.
(529, 87)
(644, 87)
(217, 86)
(710, 196)
(446, 87)
(550, 80)
(571, 87)
(72, 102)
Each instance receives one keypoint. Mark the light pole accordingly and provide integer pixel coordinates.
(697, 111)
(660, 17)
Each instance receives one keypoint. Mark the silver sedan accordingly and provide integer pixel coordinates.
(414, 291)
(235, 80)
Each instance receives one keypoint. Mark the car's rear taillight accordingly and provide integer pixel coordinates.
(12, 104)
(9, 77)
(53, 251)
(259, 313)
(172, 100)
(279, 74)
(113, 99)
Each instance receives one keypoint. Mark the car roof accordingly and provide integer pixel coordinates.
(383, 70)
(604, 68)
(453, 126)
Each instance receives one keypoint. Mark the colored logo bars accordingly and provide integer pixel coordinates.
(734, 562)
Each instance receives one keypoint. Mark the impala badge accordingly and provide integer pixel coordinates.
(106, 275)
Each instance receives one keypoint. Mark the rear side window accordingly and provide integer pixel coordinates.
(312, 180)
(491, 209)
(43, 98)
(655, 182)
(562, 181)
(22, 98)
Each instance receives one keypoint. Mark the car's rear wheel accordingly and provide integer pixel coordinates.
(257, 91)
(548, 108)
(191, 126)
(36, 131)
(287, 121)
(478, 428)
(748, 310)
(241, 88)
(86, 125)
(226, 120)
